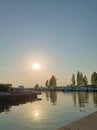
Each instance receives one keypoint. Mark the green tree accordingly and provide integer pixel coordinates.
(81, 79)
(73, 80)
(85, 81)
(78, 78)
(47, 83)
(36, 86)
(94, 79)
(5, 87)
(52, 82)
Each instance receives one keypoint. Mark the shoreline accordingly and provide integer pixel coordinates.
(69, 89)
(88, 122)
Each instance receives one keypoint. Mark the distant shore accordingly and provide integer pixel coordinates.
(69, 89)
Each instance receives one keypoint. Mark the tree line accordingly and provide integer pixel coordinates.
(81, 80)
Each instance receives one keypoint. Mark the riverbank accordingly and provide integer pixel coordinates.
(86, 123)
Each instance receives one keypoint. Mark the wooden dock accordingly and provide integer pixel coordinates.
(86, 123)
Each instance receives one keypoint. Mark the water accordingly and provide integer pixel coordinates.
(55, 110)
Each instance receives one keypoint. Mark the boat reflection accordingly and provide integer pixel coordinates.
(5, 107)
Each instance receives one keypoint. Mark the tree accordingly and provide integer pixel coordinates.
(78, 78)
(36, 86)
(5, 87)
(94, 79)
(73, 80)
(52, 82)
(85, 81)
(81, 78)
(47, 83)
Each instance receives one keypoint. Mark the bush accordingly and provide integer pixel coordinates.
(5, 87)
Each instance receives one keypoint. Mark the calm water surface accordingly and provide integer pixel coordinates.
(55, 110)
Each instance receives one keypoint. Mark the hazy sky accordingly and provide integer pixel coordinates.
(59, 34)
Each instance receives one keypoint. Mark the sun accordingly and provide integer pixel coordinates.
(36, 66)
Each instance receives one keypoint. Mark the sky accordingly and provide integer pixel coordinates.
(61, 35)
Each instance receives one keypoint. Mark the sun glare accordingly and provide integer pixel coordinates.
(36, 66)
(36, 114)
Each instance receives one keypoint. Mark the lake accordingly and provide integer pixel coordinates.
(55, 110)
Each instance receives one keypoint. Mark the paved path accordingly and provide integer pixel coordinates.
(86, 123)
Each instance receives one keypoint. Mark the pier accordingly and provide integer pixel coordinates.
(86, 123)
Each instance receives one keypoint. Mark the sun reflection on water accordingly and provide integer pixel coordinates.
(36, 114)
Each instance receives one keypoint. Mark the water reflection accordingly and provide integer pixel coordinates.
(6, 107)
(83, 100)
(75, 99)
(36, 114)
(51, 96)
(80, 99)
(95, 98)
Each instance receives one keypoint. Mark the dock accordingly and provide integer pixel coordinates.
(14, 97)
(86, 123)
